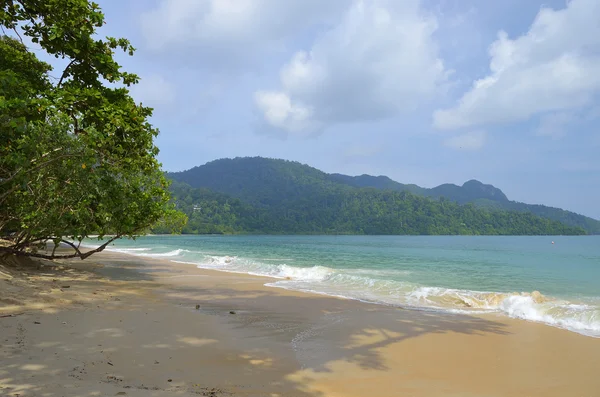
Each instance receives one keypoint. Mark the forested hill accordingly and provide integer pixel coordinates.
(265, 182)
(258, 180)
(470, 191)
(256, 195)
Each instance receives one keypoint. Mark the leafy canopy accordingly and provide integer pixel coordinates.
(266, 182)
(300, 202)
(76, 152)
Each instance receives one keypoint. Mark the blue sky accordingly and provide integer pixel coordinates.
(426, 92)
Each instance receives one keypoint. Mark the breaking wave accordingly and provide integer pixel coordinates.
(388, 287)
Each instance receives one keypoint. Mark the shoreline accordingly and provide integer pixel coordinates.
(143, 313)
(523, 305)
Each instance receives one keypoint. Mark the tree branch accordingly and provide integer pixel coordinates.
(4, 195)
(78, 254)
(72, 245)
(19, 36)
(64, 73)
(37, 167)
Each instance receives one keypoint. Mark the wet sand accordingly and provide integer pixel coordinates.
(129, 326)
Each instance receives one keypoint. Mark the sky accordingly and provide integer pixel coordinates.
(423, 91)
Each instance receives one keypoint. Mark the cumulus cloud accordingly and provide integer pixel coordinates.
(469, 141)
(379, 60)
(554, 67)
(231, 33)
(280, 112)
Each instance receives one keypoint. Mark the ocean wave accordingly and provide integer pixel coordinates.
(128, 250)
(147, 252)
(580, 318)
(375, 286)
(280, 271)
(176, 252)
(468, 298)
(531, 306)
(135, 251)
(392, 287)
(315, 273)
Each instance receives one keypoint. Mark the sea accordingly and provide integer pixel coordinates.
(553, 280)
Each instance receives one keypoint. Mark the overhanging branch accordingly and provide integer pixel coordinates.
(64, 73)
(78, 254)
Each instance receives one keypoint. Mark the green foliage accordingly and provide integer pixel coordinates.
(483, 196)
(377, 182)
(283, 197)
(76, 156)
(173, 221)
(591, 226)
(264, 182)
(257, 180)
(467, 193)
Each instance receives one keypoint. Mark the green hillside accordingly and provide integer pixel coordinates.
(259, 181)
(263, 182)
(257, 195)
(481, 195)
(377, 182)
(590, 225)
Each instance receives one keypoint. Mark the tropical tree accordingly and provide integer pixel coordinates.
(76, 151)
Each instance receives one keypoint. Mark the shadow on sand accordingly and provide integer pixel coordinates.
(270, 336)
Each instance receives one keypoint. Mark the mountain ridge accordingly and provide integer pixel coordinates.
(247, 177)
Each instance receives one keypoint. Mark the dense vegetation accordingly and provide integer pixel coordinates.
(481, 195)
(265, 182)
(274, 196)
(591, 226)
(76, 152)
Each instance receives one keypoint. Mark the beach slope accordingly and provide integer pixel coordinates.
(121, 325)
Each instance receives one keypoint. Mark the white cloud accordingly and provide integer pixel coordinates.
(378, 61)
(555, 66)
(153, 90)
(280, 112)
(470, 141)
(231, 33)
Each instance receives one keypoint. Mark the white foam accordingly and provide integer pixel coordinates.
(315, 273)
(176, 252)
(583, 319)
(128, 250)
(385, 286)
(136, 251)
(361, 285)
(219, 261)
(577, 317)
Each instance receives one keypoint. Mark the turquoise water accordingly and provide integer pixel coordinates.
(452, 273)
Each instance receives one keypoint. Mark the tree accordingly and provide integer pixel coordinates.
(76, 153)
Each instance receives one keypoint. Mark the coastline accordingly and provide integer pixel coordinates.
(129, 324)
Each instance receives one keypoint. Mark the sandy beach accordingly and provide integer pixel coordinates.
(122, 325)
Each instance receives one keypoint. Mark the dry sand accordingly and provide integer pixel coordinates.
(127, 326)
